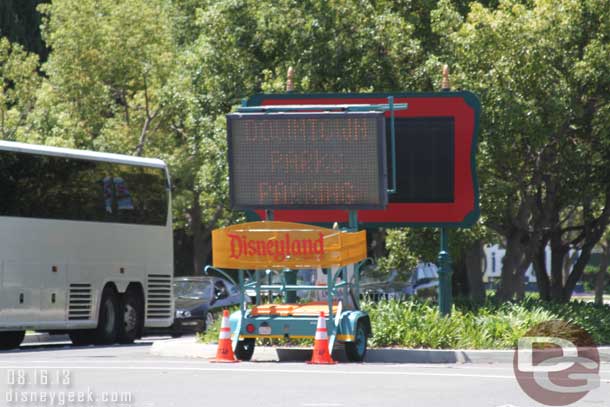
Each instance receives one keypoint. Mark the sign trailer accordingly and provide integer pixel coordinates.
(363, 159)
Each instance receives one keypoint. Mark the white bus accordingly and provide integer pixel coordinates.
(86, 244)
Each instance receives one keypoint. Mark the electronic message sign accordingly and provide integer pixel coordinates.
(322, 160)
(436, 142)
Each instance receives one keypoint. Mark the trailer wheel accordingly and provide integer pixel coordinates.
(355, 351)
(245, 349)
(11, 340)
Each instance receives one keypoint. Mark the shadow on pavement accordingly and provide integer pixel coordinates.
(61, 346)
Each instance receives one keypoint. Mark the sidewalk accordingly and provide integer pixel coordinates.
(189, 348)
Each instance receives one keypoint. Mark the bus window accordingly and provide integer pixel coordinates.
(50, 187)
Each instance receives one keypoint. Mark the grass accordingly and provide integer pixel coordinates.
(417, 324)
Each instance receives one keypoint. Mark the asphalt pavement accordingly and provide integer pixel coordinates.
(131, 376)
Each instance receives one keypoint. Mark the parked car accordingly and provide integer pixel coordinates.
(199, 300)
(423, 282)
(375, 287)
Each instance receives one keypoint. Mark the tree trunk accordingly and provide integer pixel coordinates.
(566, 267)
(474, 270)
(510, 263)
(520, 277)
(459, 281)
(198, 235)
(542, 277)
(579, 267)
(558, 252)
(600, 278)
(207, 247)
(377, 237)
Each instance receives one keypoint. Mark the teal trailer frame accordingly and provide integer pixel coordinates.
(342, 324)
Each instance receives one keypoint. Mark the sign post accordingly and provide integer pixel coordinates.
(445, 295)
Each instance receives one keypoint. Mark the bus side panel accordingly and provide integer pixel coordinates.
(19, 298)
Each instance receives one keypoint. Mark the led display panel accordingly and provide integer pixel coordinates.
(325, 160)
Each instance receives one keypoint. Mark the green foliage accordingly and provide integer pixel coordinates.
(109, 63)
(543, 154)
(407, 246)
(211, 334)
(416, 324)
(593, 318)
(246, 46)
(19, 82)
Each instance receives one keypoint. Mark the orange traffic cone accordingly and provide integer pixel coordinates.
(224, 354)
(321, 355)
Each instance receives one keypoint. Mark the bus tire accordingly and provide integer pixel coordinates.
(355, 351)
(82, 338)
(131, 317)
(108, 323)
(11, 340)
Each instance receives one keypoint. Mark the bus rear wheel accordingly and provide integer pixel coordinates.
(82, 338)
(131, 316)
(108, 323)
(11, 340)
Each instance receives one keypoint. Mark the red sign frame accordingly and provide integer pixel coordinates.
(463, 107)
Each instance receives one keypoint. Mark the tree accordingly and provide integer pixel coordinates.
(602, 273)
(19, 81)
(109, 64)
(544, 137)
(246, 46)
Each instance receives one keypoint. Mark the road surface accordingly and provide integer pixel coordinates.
(130, 376)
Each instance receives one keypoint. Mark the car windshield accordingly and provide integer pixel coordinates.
(193, 289)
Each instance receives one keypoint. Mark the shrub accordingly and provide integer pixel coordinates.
(417, 324)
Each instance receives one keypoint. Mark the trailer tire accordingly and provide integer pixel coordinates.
(245, 349)
(11, 340)
(356, 350)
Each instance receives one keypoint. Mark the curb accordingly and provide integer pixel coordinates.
(190, 348)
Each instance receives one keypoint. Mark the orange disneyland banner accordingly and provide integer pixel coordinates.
(279, 245)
